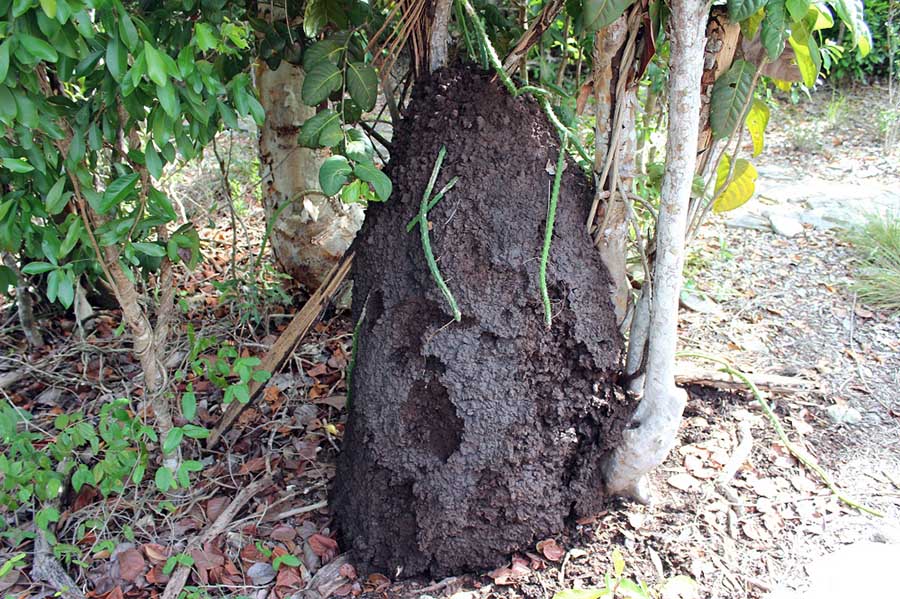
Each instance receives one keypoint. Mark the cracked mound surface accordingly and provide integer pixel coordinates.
(467, 441)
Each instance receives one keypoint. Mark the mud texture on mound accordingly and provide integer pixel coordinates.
(467, 441)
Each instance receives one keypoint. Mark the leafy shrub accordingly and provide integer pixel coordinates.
(885, 36)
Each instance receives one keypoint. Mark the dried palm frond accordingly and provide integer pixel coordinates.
(408, 23)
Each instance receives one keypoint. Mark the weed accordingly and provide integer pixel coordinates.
(877, 242)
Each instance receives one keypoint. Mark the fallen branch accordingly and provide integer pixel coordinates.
(286, 342)
(687, 373)
(46, 569)
(802, 456)
(220, 525)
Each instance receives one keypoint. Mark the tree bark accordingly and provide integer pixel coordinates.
(24, 304)
(654, 426)
(311, 232)
(440, 35)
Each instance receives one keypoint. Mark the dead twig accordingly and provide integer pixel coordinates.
(286, 342)
(180, 575)
(46, 569)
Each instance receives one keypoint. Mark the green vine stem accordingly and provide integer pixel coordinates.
(433, 202)
(548, 230)
(426, 241)
(801, 455)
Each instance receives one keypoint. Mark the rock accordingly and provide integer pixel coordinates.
(862, 569)
(785, 226)
(697, 302)
(749, 221)
(843, 415)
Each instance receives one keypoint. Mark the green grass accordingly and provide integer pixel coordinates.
(877, 243)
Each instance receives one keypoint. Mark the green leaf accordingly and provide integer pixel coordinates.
(797, 9)
(164, 481)
(72, 236)
(321, 130)
(118, 191)
(195, 432)
(333, 174)
(806, 54)
(319, 83)
(56, 200)
(285, 560)
(315, 17)
(618, 563)
(327, 50)
(362, 83)
(127, 30)
(16, 165)
(597, 14)
(149, 249)
(241, 393)
(757, 119)
(729, 97)
(156, 66)
(356, 192)
(49, 7)
(116, 58)
(168, 99)
(4, 60)
(189, 405)
(775, 29)
(741, 187)
(206, 38)
(37, 268)
(173, 440)
(358, 147)
(738, 10)
(851, 13)
(38, 48)
(154, 162)
(379, 181)
(66, 291)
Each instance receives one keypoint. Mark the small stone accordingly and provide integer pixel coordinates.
(749, 221)
(261, 573)
(697, 302)
(785, 225)
(843, 415)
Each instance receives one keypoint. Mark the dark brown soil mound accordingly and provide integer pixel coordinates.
(467, 441)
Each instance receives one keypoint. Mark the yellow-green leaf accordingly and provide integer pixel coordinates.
(618, 563)
(757, 119)
(49, 7)
(741, 187)
(581, 593)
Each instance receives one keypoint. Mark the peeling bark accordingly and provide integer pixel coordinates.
(654, 426)
(312, 233)
(24, 305)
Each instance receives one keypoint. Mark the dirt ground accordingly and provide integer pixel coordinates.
(784, 308)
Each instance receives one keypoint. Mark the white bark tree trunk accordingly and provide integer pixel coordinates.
(312, 233)
(654, 427)
(439, 44)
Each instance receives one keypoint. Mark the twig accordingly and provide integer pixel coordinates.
(426, 241)
(298, 510)
(548, 230)
(180, 575)
(46, 569)
(804, 458)
(298, 327)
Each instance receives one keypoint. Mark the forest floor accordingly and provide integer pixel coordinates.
(768, 303)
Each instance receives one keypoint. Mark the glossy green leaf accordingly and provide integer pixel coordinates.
(38, 48)
(358, 147)
(380, 182)
(168, 99)
(205, 37)
(327, 50)
(117, 192)
(321, 130)
(319, 83)
(56, 199)
(189, 405)
(4, 59)
(156, 66)
(127, 30)
(796, 9)
(116, 58)
(597, 14)
(16, 165)
(37, 268)
(355, 192)
(49, 8)
(315, 17)
(739, 10)
(333, 174)
(173, 440)
(775, 28)
(806, 55)
(730, 96)
(154, 162)
(149, 249)
(362, 83)
(851, 13)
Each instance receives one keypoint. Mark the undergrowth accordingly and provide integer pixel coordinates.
(877, 275)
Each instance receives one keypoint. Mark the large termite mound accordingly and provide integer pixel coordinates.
(469, 440)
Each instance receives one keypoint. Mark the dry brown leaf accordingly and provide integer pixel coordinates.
(283, 533)
(551, 550)
(131, 564)
(683, 481)
(325, 547)
(157, 554)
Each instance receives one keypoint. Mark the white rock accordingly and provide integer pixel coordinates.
(843, 415)
(785, 225)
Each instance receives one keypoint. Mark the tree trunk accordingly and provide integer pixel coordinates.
(654, 426)
(24, 305)
(310, 232)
